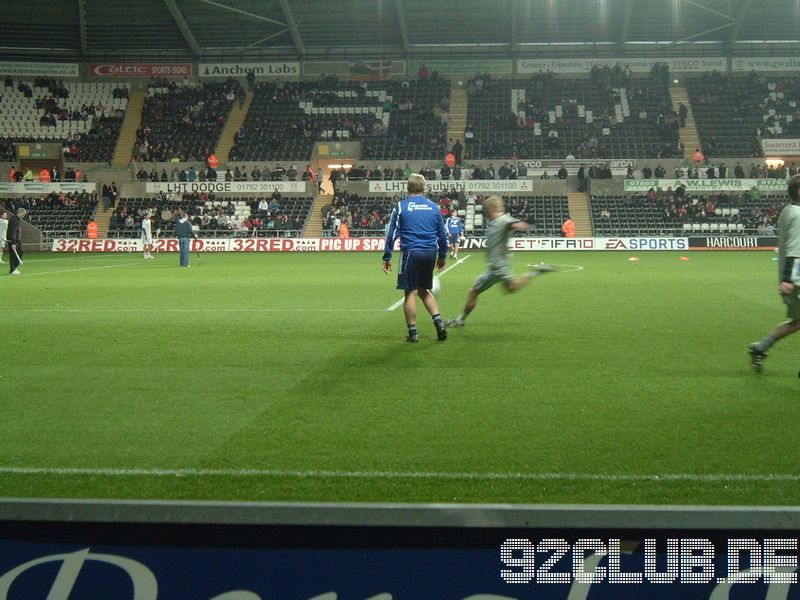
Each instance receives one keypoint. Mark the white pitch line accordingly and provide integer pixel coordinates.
(70, 257)
(427, 475)
(399, 303)
(75, 270)
(190, 310)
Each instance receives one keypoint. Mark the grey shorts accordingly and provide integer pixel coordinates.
(491, 276)
(792, 303)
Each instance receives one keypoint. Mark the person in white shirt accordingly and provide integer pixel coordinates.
(3, 232)
(147, 236)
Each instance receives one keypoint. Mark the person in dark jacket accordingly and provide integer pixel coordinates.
(15, 241)
(184, 233)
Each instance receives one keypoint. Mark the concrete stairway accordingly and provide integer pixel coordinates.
(103, 219)
(234, 122)
(314, 226)
(127, 135)
(580, 212)
(458, 116)
(689, 135)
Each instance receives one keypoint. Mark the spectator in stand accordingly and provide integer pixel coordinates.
(458, 150)
(106, 194)
(683, 112)
(562, 172)
(568, 228)
(660, 172)
(647, 172)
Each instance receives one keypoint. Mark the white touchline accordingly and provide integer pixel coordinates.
(190, 310)
(449, 475)
(399, 303)
(81, 269)
(72, 257)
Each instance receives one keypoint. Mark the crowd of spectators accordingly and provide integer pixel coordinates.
(779, 108)
(370, 216)
(95, 144)
(184, 122)
(238, 217)
(678, 207)
(286, 117)
(530, 129)
(239, 173)
(55, 200)
(727, 111)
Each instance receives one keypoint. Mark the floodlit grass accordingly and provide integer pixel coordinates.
(284, 377)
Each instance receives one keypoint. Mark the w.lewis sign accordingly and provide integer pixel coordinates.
(706, 185)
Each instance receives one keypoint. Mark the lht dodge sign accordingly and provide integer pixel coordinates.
(141, 70)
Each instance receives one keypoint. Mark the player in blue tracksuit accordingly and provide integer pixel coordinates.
(455, 231)
(418, 224)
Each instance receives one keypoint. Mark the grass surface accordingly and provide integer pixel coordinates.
(284, 377)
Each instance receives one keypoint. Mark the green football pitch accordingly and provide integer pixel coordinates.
(286, 377)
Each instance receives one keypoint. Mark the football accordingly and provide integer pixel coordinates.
(436, 288)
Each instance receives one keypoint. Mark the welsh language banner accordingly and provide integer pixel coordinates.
(636, 65)
(141, 70)
(777, 147)
(489, 185)
(707, 185)
(39, 69)
(462, 67)
(34, 187)
(370, 70)
(225, 187)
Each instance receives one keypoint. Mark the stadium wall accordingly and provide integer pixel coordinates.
(216, 550)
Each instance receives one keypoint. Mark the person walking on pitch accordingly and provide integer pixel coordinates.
(15, 241)
(788, 275)
(498, 264)
(418, 224)
(455, 233)
(3, 232)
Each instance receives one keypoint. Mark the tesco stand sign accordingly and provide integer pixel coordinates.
(141, 70)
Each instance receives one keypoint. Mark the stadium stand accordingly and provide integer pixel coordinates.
(85, 117)
(368, 216)
(276, 216)
(669, 213)
(57, 215)
(728, 112)
(393, 119)
(610, 115)
(183, 122)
